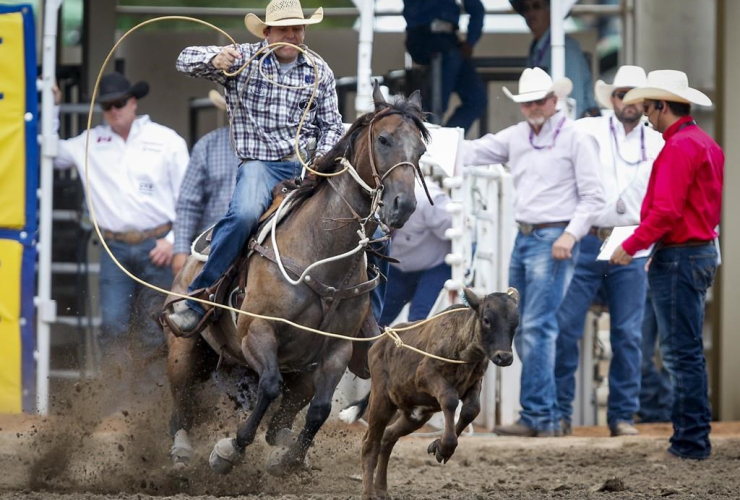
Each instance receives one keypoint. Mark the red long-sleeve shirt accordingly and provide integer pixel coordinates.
(684, 194)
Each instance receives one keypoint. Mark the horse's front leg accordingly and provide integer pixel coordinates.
(326, 377)
(189, 360)
(260, 350)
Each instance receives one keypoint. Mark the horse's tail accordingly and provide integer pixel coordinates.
(355, 411)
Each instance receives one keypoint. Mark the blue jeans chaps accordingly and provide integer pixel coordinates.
(625, 288)
(679, 278)
(542, 282)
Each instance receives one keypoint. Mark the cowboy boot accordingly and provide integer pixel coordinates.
(185, 319)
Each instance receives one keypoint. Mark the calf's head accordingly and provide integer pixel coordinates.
(498, 316)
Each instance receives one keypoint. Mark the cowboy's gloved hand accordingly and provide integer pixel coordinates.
(161, 254)
(225, 59)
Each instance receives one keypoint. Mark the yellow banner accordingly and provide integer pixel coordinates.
(12, 122)
(11, 389)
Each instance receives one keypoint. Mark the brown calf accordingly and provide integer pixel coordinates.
(416, 386)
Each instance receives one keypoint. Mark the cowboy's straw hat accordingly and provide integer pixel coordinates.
(217, 99)
(281, 13)
(667, 85)
(626, 77)
(534, 84)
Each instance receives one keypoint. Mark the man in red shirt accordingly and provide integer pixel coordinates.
(679, 214)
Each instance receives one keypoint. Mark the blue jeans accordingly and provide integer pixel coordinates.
(421, 288)
(541, 281)
(124, 303)
(458, 74)
(679, 278)
(625, 288)
(656, 393)
(252, 196)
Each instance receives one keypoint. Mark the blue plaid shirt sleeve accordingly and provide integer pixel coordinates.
(196, 62)
(191, 202)
(327, 116)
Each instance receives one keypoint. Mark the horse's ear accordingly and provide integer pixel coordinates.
(378, 98)
(415, 99)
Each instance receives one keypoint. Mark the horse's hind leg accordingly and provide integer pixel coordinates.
(259, 347)
(297, 392)
(326, 377)
(189, 360)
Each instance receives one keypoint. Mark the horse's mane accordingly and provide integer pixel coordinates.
(345, 147)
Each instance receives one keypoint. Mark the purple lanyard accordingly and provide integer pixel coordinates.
(642, 144)
(554, 137)
(541, 53)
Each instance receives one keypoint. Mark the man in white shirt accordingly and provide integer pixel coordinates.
(558, 195)
(627, 149)
(135, 170)
(420, 246)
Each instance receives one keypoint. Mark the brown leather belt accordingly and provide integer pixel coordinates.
(689, 243)
(601, 232)
(526, 228)
(137, 237)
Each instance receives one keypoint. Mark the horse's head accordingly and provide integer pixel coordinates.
(396, 139)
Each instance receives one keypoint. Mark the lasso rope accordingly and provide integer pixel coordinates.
(390, 332)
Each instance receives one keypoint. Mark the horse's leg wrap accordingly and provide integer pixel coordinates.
(181, 450)
(224, 456)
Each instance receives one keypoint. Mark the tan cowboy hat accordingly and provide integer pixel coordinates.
(534, 84)
(281, 13)
(217, 99)
(626, 77)
(667, 85)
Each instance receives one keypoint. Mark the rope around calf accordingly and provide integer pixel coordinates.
(388, 331)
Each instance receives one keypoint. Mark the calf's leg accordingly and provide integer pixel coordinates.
(448, 400)
(379, 413)
(403, 426)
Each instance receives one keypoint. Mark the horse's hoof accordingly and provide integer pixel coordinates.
(181, 451)
(285, 437)
(224, 456)
(278, 464)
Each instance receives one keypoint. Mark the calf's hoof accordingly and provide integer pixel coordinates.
(435, 448)
(224, 456)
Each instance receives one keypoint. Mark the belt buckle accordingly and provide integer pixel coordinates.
(604, 232)
(132, 237)
(525, 228)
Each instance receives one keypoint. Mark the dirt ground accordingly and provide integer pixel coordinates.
(84, 452)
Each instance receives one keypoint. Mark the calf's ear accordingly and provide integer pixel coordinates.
(514, 294)
(471, 298)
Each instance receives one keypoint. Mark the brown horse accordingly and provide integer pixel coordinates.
(303, 366)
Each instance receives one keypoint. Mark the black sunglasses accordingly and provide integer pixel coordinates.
(107, 106)
(620, 95)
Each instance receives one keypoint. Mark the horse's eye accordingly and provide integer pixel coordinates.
(486, 322)
(383, 141)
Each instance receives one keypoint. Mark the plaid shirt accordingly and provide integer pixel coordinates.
(267, 131)
(206, 189)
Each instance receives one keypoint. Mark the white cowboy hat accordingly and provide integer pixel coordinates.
(534, 84)
(281, 13)
(626, 77)
(217, 99)
(667, 85)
